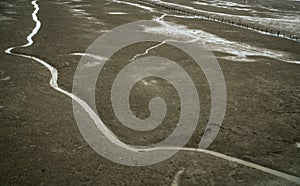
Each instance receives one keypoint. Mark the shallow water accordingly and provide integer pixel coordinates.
(272, 14)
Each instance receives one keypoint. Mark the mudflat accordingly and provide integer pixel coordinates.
(42, 145)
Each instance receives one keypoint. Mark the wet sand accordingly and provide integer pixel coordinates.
(42, 144)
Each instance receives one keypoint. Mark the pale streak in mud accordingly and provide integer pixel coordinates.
(160, 20)
(104, 129)
(89, 55)
(153, 47)
(177, 177)
(135, 4)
